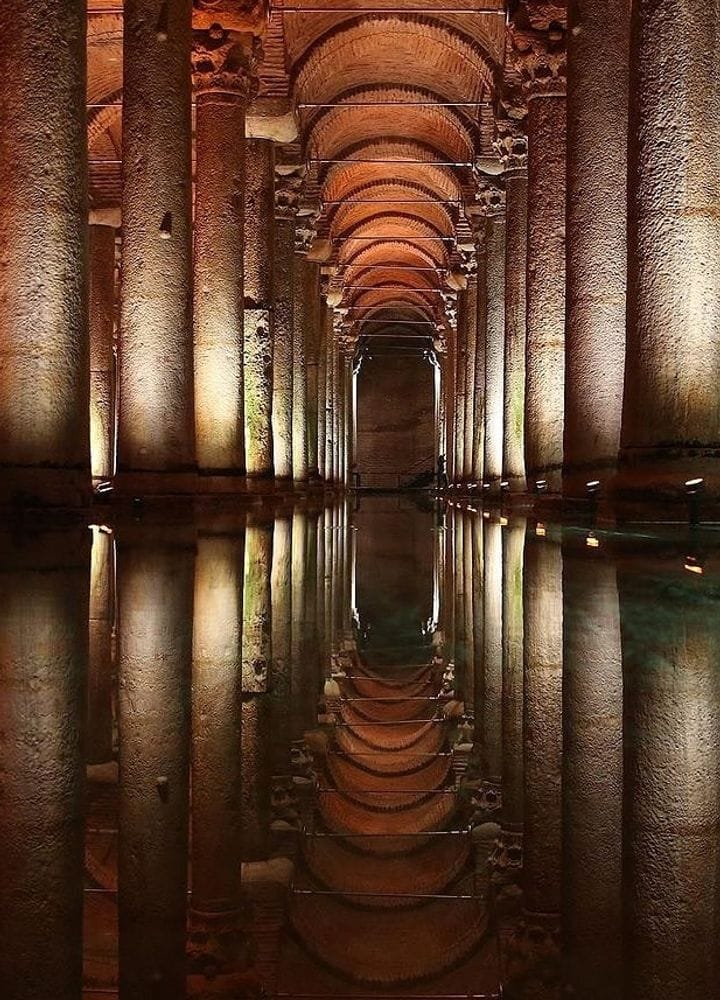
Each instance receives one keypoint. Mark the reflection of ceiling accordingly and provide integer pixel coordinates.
(393, 111)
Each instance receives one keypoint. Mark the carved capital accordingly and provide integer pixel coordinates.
(490, 201)
(287, 196)
(306, 230)
(506, 858)
(511, 146)
(533, 957)
(225, 62)
(538, 48)
(218, 942)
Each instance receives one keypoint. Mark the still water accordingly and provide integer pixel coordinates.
(370, 749)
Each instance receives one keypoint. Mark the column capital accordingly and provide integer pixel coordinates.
(511, 146)
(537, 47)
(226, 62)
(287, 195)
(306, 229)
(490, 201)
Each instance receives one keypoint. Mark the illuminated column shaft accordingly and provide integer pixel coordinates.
(514, 158)
(478, 466)
(99, 735)
(495, 339)
(216, 736)
(597, 109)
(223, 84)
(336, 404)
(473, 651)
(284, 286)
(256, 708)
(449, 383)
(258, 277)
(280, 592)
(542, 65)
(461, 622)
(592, 777)
(155, 593)
(478, 703)
(44, 438)
(102, 362)
(156, 431)
(329, 349)
(673, 336)
(303, 275)
(313, 323)
(459, 395)
(43, 661)
(492, 663)
(542, 725)
(469, 314)
(347, 433)
(324, 323)
(670, 645)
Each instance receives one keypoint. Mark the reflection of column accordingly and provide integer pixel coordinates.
(156, 431)
(281, 649)
(298, 616)
(461, 622)
(597, 110)
(284, 291)
(258, 319)
(99, 737)
(670, 644)
(513, 153)
(256, 710)
(491, 764)
(592, 777)
(155, 598)
(43, 659)
(507, 858)
(216, 761)
(477, 624)
(494, 334)
(102, 361)
(473, 653)
(540, 56)
(44, 440)
(671, 413)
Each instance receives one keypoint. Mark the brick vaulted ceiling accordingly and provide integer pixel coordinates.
(391, 107)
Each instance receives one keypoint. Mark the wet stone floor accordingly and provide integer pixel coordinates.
(382, 748)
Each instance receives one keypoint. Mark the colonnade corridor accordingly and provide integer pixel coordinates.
(391, 747)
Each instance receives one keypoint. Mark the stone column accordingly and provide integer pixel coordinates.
(329, 409)
(156, 432)
(224, 66)
(324, 325)
(592, 785)
(258, 271)
(492, 749)
(215, 919)
(478, 621)
(303, 277)
(460, 360)
(450, 402)
(467, 318)
(44, 414)
(280, 592)
(256, 660)
(155, 594)
(494, 205)
(478, 469)
(461, 623)
(671, 418)
(539, 53)
(43, 662)
(597, 109)
(102, 358)
(101, 620)
(512, 147)
(286, 201)
(670, 644)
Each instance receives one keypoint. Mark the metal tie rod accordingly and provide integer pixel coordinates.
(395, 104)
(474, 11)
(382, 895)
(396, 162)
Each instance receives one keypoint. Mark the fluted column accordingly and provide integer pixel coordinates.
(102, 359)
(512, 146)
(224, 66)
(671, 417)
(670, 645)
(216, 937)
(101, 618)
(258, 263)
(597, 109)
(286, 202)
(494, 202)
(592, 775)
(44, 414)
(156, 430)
(155, 596)
(43, 662)
(256, 708)
(539, 53)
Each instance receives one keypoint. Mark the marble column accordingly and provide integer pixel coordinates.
(597, 110)
(43, 662)
(329, 372)
(304, 274)
(256, 708)
(449, 371)
(44, 413)
(492, 749)
(539, 54)
(280, 593)
(215, 918)
(156, 423)
(460, 360)
(592, 785)
(224, 66)
(102, 358)
(670, 646)
(286, 201)
(325, 326)
(478, 465)
(468, 317)
(494, 201)
(155, 600)
(258, 262)
(314, 311)
(101, 621)
(512, 147)
(671, 417)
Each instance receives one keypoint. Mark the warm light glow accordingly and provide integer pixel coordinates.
(540, 530)
(503, 522)
(592, 541)
(693, 565)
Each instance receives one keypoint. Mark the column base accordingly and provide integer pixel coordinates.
(37, 486)
(668, 473)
